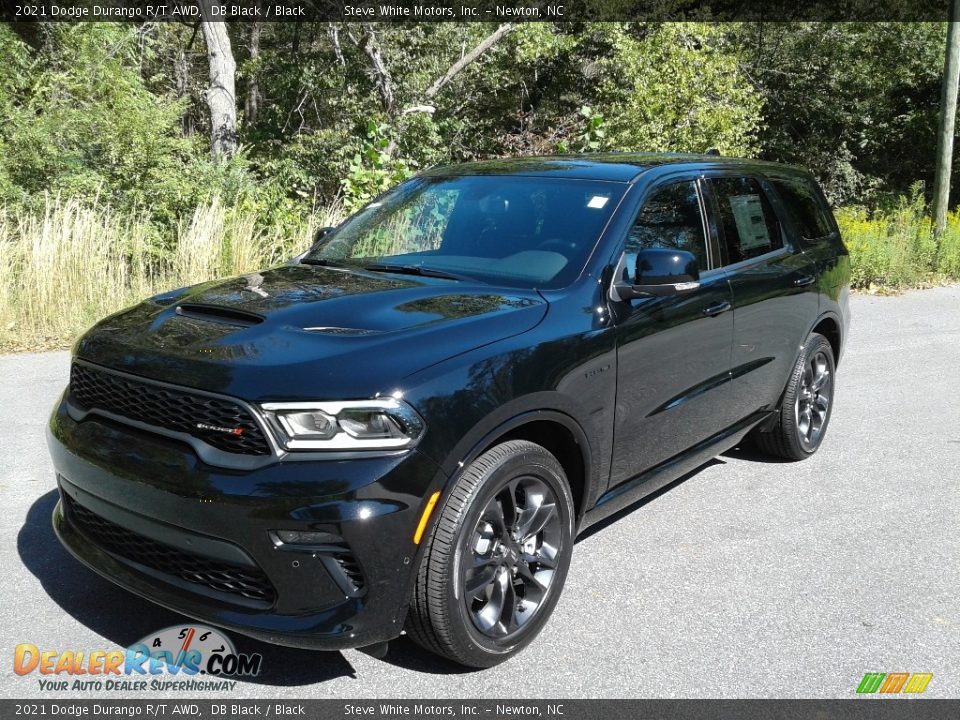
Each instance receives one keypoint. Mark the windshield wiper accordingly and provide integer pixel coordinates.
(323, 262)
(413, 270)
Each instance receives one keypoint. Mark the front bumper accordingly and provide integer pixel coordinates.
(146, 513)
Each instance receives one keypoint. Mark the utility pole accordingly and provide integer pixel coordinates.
(948, 114)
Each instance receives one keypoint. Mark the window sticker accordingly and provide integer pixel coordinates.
(748, 215)
(597, 202)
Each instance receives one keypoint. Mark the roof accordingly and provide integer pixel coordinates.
(614, 167)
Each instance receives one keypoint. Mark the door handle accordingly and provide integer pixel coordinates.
(804, 280)
(714, 310)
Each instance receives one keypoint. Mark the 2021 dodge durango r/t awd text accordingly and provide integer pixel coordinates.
(407, 426)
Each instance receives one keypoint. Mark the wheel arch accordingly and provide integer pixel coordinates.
(826, 324)
(829, 326)
(554, 430)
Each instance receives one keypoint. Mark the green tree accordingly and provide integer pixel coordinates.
(677, 87)
(855, 102)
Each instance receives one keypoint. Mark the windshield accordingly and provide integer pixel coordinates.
(504, 230)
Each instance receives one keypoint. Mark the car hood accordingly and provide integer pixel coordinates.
(298, 331)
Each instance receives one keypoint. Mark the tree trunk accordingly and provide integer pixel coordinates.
(181, 73)
(948, 113)
(488, 42)
(253, 86)
(221, 95)
(380, 72)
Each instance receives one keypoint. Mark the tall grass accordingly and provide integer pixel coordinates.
(73, 264)
(896, 248)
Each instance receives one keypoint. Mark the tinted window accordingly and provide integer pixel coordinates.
(804, 207)
(519, 231)
(747, 221)
(670, 218)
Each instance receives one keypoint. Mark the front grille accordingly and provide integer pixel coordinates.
(215, 574)
(221, 423)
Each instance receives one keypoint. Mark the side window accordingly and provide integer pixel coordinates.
(670, 218)
(805, 208)
(749, 226)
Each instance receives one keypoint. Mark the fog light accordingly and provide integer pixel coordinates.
(306, 537)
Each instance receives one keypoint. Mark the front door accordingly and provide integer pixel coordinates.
(673, 356)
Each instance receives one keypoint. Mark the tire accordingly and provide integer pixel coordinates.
(804, 414)
(503, 550)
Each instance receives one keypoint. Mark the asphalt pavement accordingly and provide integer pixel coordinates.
(748, 578)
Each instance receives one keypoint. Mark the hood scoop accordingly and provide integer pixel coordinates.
(218, 314)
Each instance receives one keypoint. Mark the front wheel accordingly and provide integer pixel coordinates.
(807, 402)
(497, 557)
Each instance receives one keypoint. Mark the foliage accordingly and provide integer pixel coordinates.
(373, 169)
(896, 248)
(677, 87)
(855, 102)
(87, 127)
(591, 137)
(108, 191)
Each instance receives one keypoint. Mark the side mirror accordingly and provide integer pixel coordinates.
(317, 237)
(321, 234)
(660, 272)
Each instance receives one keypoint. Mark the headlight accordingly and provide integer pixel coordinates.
(381, 424)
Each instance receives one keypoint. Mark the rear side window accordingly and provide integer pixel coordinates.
(804, 207)
(749, 226)
(671, 219)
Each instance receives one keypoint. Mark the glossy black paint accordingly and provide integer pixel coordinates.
(628, 394)
(658, 266)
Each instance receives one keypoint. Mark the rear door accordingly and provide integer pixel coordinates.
(673, 356)
(774, 289)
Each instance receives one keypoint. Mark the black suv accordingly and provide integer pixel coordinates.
(407, 426)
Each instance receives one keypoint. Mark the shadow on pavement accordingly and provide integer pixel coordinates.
(747, 451)
(124, 618)
(405, 653)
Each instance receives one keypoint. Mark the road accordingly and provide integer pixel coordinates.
(746, 579)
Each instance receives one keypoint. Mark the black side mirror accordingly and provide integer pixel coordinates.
(317, 237)
(660, 272)
(321, 234)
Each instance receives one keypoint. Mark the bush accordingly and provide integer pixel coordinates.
(896, 248)
(948, 255)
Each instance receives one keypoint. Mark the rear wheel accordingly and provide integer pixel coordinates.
(497, 557)
(805, 412)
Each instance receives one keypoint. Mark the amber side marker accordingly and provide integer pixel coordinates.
(425, 518)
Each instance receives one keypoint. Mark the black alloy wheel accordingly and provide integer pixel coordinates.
(802, 419)
(812, 405)
(496, 558)
(511, 557)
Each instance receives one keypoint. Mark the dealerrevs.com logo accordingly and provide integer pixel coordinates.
(894, 683)
(173, 659)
